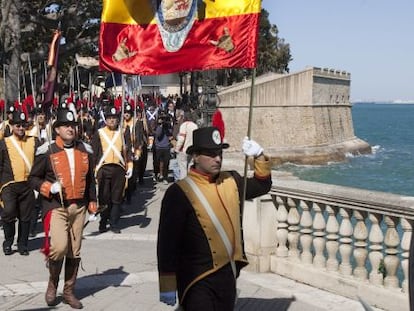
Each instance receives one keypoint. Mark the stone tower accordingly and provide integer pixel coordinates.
(303, 117)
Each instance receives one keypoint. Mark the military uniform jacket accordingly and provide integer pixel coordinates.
(118, 153)
(189, 247)
(16, 159)
(53, 158)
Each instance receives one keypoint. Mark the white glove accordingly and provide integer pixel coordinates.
(128, 173)
(56, 187)
(93, 217)
(251, 148)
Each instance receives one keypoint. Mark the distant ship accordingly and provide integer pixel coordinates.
(399, 101)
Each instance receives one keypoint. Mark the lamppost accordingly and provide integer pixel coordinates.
(209, 100)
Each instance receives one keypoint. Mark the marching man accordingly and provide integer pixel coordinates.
(111, 146)
(16, 160)
(63, 175)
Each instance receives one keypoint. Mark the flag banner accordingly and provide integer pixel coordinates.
(52, 62)
(151, 37)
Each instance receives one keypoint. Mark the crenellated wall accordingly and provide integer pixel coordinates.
(303, 117)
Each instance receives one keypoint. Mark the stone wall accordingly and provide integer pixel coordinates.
(304, 117)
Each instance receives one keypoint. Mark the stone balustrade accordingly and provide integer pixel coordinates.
(349, 241)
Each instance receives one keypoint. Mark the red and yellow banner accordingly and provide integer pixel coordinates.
(150, 37)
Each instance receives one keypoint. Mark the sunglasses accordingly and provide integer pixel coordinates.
(20, 125)
(212, 153)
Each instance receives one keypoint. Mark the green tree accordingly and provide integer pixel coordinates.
(273, 53)
(26, 28)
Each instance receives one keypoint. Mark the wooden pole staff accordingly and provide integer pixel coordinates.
(249, 130)
(4, 89)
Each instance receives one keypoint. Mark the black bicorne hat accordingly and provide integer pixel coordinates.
(206, 138)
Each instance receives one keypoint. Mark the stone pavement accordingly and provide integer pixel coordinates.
(120, 271)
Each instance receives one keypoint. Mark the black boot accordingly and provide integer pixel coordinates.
(104, 220)
(114, 220)
(23, 238)
(54, 271)
(9, 232)
(71, 272)
(33, 221)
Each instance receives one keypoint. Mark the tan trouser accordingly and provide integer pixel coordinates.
(66, 228)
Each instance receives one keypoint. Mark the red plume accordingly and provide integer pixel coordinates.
(2, 104)
(217, 121)
(29, 101)
(25, 108)
(132, 103)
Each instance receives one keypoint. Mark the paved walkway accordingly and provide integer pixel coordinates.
(120, 271)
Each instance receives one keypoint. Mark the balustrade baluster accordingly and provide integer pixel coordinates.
(405, 247)
(293, 220)
(319, 226)
(282, 232)
(332, 244)
(376, 238)
(306, 232)
(345, 247)
(360, 244)
(391, 260)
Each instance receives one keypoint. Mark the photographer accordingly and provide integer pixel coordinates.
(163, 134)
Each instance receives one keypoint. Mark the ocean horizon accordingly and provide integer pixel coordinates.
(388, 128)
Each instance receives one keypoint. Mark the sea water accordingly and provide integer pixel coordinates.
(389, 129)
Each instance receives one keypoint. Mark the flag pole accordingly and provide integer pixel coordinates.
(249, 130)
(4, 94)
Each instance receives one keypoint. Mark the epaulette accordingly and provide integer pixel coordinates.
(42, 149)
(88, 147)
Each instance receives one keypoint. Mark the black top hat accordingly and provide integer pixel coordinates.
(110, 110)
(18, 117)
(206, 138)
(64, 117)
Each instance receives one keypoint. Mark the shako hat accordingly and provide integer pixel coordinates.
(10, 108)
(206, 138)
(128, 108)
(110, 110)
(64, 116)
(40, 109)
(18, 117)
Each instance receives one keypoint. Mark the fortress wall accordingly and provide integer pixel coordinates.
(293, 114)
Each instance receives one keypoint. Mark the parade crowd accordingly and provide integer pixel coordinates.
(62, 161)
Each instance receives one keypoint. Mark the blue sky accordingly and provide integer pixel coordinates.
(371, 39)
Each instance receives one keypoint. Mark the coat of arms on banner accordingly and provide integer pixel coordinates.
(175, 18)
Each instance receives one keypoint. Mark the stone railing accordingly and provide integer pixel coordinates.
(349, 241)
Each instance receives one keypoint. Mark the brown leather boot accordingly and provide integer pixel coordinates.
(71, 271)
(54, 271)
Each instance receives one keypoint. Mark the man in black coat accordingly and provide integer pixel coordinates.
(200, 248)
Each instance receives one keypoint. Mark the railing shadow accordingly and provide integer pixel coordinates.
(89, 285)
(135, 213)
(254, 304)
